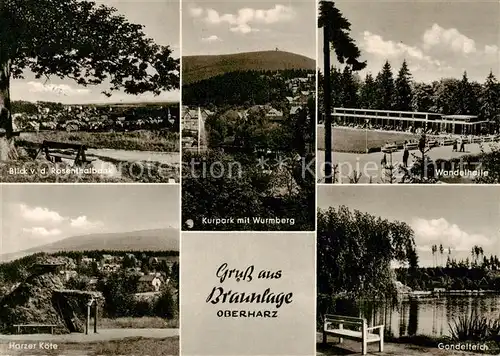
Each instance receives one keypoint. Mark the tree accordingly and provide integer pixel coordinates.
(349, 90)
(468, 100)
(385, 88)
(82, 41)
(403, 95)
(166, 306)
(446, 96)
(490, 100)
(336, 30)
(422, 97)
(355, 251)
(441, 251)
(337, 83)
(434, 249)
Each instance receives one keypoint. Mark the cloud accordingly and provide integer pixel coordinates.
(451, 38)
(82, 222)
(491, 49)
(440, 231)
(41, 231)
(59, 89)
(39, 214)
(245, 18)
(213, 38)
(195, 11)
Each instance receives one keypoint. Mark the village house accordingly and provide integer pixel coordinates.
(155, 261)
(110, 267)
(107, 258)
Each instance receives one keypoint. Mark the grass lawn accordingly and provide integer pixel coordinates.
(138, 323)
(354, 140)
(157, 141)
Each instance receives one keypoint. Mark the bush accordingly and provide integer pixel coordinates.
(474, 328)
(166, 307)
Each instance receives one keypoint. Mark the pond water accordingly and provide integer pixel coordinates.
(424, 316)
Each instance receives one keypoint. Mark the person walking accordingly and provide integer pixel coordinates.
(455, 145)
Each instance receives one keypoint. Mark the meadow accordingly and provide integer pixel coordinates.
(142, 140)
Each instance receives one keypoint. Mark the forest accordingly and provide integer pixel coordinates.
(241, 88)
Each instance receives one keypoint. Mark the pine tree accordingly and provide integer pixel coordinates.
(385, 88)
(337, 87)
(349, 93)
(468, 99)
(490, 100)
(403, 95)
(368, 95)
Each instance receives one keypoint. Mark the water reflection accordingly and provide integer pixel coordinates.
(424, 316)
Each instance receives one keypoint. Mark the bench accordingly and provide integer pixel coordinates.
(334, 325)
(34, 326)
(73, 151)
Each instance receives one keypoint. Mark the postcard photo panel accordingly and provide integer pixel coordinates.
(405, 268)
(248, 115)
(90, 91)
(409, 92)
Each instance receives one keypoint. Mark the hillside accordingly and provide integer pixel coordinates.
(196, 68)
(151, 240)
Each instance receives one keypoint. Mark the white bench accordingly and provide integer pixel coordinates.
(334, 325)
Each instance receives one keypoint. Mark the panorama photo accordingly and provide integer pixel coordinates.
(89, 91)
(409, 92)
(248, 115)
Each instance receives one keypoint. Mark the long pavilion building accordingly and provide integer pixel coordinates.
(404, 120)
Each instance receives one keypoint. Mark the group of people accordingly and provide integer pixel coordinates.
(406, 155)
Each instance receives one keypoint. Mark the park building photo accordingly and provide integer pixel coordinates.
(408, 104)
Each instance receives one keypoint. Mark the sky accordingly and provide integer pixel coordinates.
(222, 27)
(162, 24)
(293, 331)
(455, 216)
(34, 215)
(437, 38)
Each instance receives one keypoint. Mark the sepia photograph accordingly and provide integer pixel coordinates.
(408, 270)
(248, 115)
(408, 92)
(89, 91)
(248, 293)
(89, 270)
